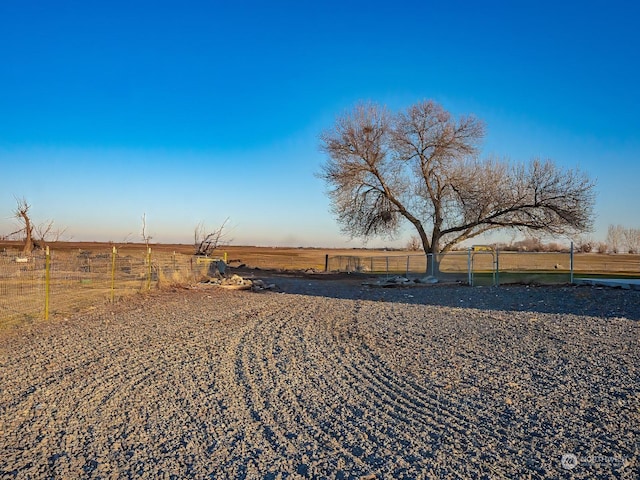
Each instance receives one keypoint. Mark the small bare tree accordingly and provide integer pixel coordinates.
(529, 244)
(420, 166)
(632, 239)
(206, 240)
(146, 238)
(585, 244)
(414, 244)
(46, 233)
(21, 212)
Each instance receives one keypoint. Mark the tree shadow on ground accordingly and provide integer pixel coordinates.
(565, 299)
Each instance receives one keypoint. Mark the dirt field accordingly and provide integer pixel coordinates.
(329, 379)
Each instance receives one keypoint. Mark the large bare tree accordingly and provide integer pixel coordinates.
(44, 232)
(23, 216)
(421, 165)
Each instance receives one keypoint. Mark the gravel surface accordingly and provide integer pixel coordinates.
(327, 378)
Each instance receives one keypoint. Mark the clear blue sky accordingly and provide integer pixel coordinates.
(198, 111)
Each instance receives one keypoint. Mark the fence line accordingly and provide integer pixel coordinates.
(63, 282)
(66, 281)
(492, 267)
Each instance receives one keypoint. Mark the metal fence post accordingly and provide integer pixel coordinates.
(47, 281)
(113, 273)
(571, 264)
(149, 268)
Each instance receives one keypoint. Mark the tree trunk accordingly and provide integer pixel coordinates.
(28, 241)
(433, 264)
(433, 260)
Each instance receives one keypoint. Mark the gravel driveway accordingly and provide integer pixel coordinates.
(329, 379)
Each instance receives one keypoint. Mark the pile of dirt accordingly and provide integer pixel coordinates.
(236, 282)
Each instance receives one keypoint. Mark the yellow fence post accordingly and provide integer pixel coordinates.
(113, 273)
(149, 268)
(47, 281)
(225, 257)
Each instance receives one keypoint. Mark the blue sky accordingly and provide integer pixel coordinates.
(199, 111)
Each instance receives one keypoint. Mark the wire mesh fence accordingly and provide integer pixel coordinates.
(21, 286)
(67, 280)
(64, 282)
(492, 267)
(377, 264)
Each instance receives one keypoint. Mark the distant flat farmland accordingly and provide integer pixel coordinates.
(288, 258)
(304, 258)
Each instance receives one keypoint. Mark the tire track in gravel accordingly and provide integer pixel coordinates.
(274, 386)
(336, 423)
(244, 402)
(504, 435)
(393, 425)
(431, 415)
(243, 385)
(347, 418)
(81, 392)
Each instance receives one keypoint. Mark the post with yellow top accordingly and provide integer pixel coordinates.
(47, 281)
(148, 268)
(113, 273)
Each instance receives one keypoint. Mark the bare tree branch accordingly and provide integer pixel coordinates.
(206, 241)
(44, 232)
